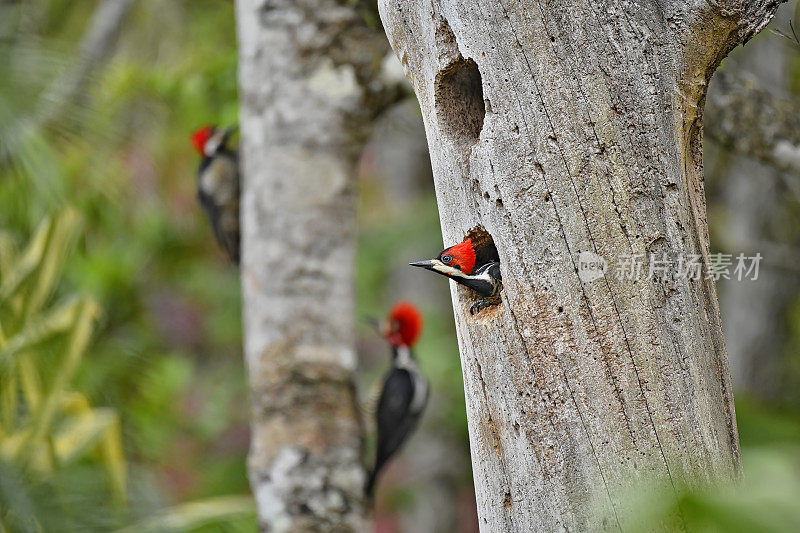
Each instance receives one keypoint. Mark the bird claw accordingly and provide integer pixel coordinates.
(482, 304)
(478, 306)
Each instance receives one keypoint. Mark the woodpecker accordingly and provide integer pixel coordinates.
(474, 263)
(218, 185)
(405, 390)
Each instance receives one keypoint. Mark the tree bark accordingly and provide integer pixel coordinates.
(565, 127)
(304, 74)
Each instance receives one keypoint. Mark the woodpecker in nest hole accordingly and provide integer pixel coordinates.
(218, 185)
(473, 263)
(405, 390)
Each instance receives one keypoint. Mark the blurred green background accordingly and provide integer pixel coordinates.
(122, 389)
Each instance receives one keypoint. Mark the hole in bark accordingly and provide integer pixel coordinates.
(482, 241)
(560, 309)
(485, 252)
(460, 108)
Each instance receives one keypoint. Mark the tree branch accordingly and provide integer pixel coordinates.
(752, 16)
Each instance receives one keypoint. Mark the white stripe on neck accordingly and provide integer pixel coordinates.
(404, 360)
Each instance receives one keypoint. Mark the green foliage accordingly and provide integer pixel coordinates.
(166, 351)
(765, 500)
(46, 425)
(761, 424)
(237, 512)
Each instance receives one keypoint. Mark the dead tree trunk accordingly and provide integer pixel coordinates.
(304, 87)
(566, 127)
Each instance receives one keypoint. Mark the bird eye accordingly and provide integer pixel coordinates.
(447, 259)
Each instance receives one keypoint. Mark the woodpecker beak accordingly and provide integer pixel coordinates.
(437, 266)
(429, 264)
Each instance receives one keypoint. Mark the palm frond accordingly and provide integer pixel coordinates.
(195, 514)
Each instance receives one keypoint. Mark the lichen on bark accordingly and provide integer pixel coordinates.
(307, 74)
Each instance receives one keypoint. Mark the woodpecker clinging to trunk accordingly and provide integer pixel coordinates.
(218, 185)
(405, 389)
(473, 263)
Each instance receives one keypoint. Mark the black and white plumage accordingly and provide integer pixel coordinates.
(487, 281)
(476, 268)
(404, 394)
(218, 187)
(401, 404)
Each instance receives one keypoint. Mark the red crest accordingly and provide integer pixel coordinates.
(405, 325)
(200, 137)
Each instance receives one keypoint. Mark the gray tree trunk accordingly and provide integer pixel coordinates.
(752, 310)
(751, 113)
(565, 127)
(304, 75)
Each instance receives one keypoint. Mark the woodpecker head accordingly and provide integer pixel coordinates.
(209, 139)
(200, 137)
(403, 325)
(454, 262)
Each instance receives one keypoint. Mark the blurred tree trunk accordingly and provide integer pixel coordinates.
(305, 70)
(568, 127)
(755, 189)
(746, 118)
(752, 311)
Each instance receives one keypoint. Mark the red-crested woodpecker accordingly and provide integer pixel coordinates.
(218, 185)
(405, 390)
(473, 263)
